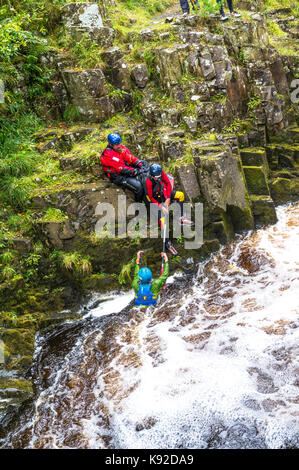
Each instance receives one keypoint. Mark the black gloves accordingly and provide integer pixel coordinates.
(130, 172)
(141, 164)
(138, 164)
(136, 172)
(127, 172)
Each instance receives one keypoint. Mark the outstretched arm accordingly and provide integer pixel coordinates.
(135, 283)
(159, 283)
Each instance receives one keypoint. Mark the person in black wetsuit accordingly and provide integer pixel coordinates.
(185, 5)
(231, 10)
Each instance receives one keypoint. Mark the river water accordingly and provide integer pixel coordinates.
(215, 365)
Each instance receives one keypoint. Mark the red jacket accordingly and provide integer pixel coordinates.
(158, 193)
(115, 162)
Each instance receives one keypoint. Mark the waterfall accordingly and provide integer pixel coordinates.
(214, 365)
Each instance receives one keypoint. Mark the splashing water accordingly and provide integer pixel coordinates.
(213, 366)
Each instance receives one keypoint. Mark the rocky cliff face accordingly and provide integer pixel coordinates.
(210, 101)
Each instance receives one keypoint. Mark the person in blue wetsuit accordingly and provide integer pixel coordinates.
(146, 290)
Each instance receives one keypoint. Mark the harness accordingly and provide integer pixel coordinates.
(157, 186)
(145, 295)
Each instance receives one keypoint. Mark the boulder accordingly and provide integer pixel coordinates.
(79, 202)
(255, 157)
(278, 72)
(237, 89)
(170, 117)
(13, 391)
(200, 89)
(60, 93)
(188, 181)
(222, 185)
(191, 36)
(68, 139)
(112, 56)
(224, 73)
(245, 33)
(170, 64)
(23, 245)
(191, 123)
(271, 109)
(229, 139)
(207, 65)
(85, 83)
(192, 62)
(95, 110)
(263, 210)
(178, 93)
(256, 180)
(151, 113)
(104, 35)
(171, 147)
(116, 69)
(154, 115)
(146, 35)
(140, 75)
(211, 115)
(18, 347)
(82, 14)
(88, 92)
(54, 233)
(284, 190)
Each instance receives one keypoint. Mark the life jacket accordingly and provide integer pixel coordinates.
(158, 190)
(158, 186)
(145, 296)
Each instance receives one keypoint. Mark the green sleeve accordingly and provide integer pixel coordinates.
(159, 283)
(135, 283)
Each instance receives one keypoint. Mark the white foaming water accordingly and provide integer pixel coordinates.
(116, 302)
(213, 366)
(110, 305)
(242, 380)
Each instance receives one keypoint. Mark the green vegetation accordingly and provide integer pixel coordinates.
(6, 257)
(186, 159)
(208, 7)
(71, 114)
(73, 262)
(125, 275)
(125, 13)
(273, 4)
(14, 38)
(253, 103)
(54, 215)
(275, 30)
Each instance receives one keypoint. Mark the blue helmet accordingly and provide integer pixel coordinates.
(145, 275)
(156, 169)
(114, 139)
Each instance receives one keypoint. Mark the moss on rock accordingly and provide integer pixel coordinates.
(263, 210)
(284, 190)
(256, 180)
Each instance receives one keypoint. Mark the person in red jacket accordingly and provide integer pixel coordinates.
(121, 166)
(159, 191)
